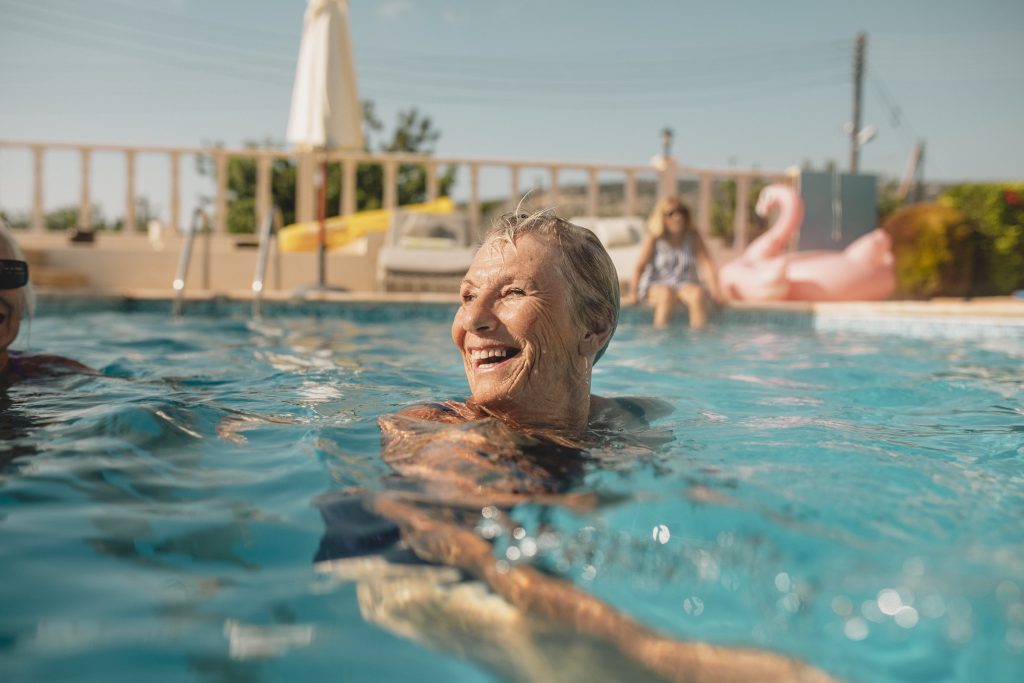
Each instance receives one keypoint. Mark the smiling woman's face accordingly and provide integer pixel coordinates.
(520, 343)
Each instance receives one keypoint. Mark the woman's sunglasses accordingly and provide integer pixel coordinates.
(13, 274)
(672, 212)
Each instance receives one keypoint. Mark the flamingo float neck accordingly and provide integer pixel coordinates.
(790, 215)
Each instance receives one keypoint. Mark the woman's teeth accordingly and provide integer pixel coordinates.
(490, 355)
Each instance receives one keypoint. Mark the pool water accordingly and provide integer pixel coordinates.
(850, 499)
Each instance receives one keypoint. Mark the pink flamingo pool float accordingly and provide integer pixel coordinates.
(861, 272)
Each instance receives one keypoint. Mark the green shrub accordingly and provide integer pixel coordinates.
(934, 249)
(997, 210)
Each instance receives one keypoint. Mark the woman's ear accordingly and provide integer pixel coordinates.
(593, 340)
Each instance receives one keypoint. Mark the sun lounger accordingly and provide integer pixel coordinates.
(425, 252)
(621, 236)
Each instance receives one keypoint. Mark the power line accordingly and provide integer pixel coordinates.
(611, 102)
(451, 78)
(143, 52)
(46, 17)
(897, 116)
(622, 65)
(164, 22)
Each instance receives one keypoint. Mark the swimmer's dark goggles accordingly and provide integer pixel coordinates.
(13, 274)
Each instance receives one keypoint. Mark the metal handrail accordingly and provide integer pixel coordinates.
(272, 222)
(200, 221)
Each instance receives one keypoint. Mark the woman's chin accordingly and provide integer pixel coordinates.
(501, 402)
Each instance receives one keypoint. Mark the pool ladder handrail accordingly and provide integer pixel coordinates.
(200, 222)
(269, 228)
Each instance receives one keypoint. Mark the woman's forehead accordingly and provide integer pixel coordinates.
(530, 256)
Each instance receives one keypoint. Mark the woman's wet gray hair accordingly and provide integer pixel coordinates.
(9, 249)
(586, 266)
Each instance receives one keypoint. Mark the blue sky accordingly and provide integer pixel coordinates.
(741, 83)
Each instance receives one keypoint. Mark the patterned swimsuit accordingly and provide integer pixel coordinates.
(672, 266)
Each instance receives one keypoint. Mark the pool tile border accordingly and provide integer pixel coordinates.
(995, 318)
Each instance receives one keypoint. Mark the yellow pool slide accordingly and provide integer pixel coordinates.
(343, 229)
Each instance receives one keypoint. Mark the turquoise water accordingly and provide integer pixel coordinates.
(855, 500)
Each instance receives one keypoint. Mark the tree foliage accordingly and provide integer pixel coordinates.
(935, 251)
(969, 243)
(414, 133)
(723, 213)
(997, 212)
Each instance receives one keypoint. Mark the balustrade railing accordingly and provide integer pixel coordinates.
(554, 195)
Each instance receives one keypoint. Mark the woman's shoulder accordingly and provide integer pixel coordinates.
(442, 411)
(628, 411)
(25, 365)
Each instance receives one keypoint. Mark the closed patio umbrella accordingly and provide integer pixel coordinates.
(325, 112)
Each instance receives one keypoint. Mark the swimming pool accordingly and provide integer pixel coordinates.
(852, 499)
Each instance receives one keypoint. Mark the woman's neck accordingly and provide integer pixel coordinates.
(675, 238)
(567, 414)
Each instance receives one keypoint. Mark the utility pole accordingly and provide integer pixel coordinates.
(858, 82)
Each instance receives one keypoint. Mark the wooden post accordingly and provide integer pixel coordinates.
(129, 206)
(220, 219)
(38, 212)
(84, 204)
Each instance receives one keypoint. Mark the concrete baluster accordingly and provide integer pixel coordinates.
(390, 184)
(176, 191)
(593, 190)
(704, 205)
(555, 201)
(220, 220)
(85, 204)
(515, 197)
(129, 198)
(742, 207)
(348, 184)
(432, 187)
(630, 208)
(263, 183)
(38, 212)
(475, 219)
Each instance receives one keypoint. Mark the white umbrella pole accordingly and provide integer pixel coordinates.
(322, 232)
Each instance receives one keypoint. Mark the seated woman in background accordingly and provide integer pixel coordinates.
(16, 299)
(674, 266)
(539, 306)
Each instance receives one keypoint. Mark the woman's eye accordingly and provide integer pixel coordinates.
(514, 291)
(467, 297)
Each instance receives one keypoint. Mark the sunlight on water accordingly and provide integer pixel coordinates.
(849, 499)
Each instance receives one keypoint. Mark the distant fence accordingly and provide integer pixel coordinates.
(582, 197)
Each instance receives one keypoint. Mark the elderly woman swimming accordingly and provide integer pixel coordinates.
(539, 306)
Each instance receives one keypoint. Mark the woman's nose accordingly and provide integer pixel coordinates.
(478, 316)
